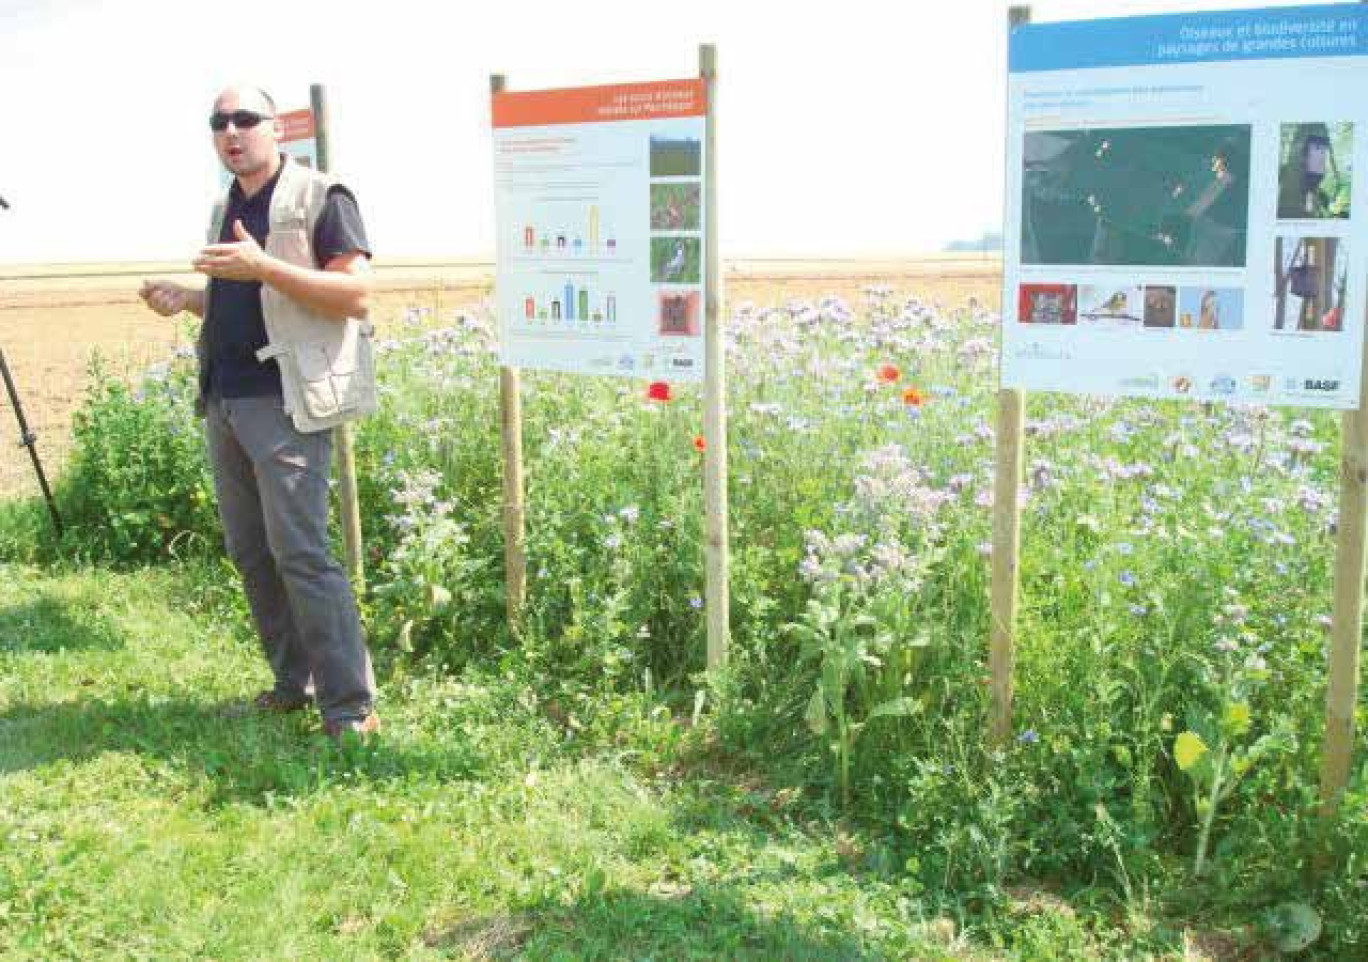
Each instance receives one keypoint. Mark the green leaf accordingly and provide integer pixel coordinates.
(896, 708)
(816, 714)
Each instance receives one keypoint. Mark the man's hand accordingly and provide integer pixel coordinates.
(168, 298)
(242, 261)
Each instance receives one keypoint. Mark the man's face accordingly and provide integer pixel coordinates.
(248, 148)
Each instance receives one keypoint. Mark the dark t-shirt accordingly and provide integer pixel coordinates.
(235, 328)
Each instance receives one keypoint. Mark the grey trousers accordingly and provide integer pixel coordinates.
(272, 487)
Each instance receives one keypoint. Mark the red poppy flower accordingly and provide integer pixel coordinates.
(913, 398)
(698, 443)
(887, 373)
(658, 391)
(1331, 320)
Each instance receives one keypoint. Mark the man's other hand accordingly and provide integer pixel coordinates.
(167, 298)
(240, 261)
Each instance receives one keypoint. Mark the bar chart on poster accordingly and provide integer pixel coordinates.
(600, 228)
(564, 228)
(1180, 211)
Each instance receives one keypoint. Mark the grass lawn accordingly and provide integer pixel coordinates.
(143, 817)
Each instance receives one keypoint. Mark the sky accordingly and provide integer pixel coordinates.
(873, 130)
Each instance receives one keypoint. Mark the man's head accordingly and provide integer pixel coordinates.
(246, 133)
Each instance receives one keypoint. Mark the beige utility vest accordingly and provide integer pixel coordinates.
(327, 366)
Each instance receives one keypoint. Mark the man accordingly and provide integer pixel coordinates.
(283, 358)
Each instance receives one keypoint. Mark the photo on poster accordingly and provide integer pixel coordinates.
(1047, 304)
(674, 155)
(677, 313)
(675, 206)
(1161, 305)
(1310, 283)
(1110, 305)
(1211, 308)
(676, 260)
(1137, 196)
(1315, 171)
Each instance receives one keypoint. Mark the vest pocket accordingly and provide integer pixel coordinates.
(356, 388)
(334, 384)
(318, 382)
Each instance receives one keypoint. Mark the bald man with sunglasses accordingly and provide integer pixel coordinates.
(284, 356)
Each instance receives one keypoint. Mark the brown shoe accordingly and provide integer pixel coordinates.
(361, 728)
(276, 703)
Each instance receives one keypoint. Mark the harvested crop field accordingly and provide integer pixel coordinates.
(55, 319)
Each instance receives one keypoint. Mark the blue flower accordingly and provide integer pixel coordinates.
(1029, 737)
(1126, 578)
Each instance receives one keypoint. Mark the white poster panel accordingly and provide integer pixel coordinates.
(298, 136)
(1182, 217)
(599, 214)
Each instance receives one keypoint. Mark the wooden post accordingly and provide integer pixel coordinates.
(1006, 528)
(714, 391)
(349, 504)
(1346, 629)
(510, 435)
(1346, 626)
(1006, 554)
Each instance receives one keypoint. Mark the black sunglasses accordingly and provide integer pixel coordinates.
(241, 119)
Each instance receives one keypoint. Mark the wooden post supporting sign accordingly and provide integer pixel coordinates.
(714, 394)
(1346, 627)
(1006, 530)
(510, 435)
(1346, 632)
(349, 502)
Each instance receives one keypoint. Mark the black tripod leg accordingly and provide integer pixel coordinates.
(28, 439)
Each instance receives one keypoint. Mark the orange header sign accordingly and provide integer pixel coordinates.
(297, 125)
(587, 105)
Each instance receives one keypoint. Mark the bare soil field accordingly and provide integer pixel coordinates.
(55, 318)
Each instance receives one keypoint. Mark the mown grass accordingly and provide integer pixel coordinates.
(146, 816)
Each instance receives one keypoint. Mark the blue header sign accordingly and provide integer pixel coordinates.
(1275, 33)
